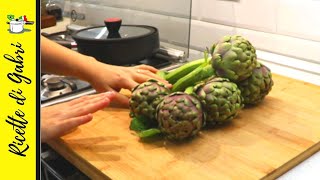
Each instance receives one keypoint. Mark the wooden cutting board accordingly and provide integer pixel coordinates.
(262, 142)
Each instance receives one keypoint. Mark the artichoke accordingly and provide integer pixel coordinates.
(234, 58)
(257, 86)
(220, 98)
(145, 97)
(180, 116)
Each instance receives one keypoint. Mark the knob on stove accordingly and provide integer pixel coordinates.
(54, 86)
(55, 83)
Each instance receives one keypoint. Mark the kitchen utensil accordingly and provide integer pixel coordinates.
(118, 44)
(17, 26)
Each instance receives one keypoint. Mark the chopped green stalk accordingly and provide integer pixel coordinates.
(206, 56)
(183, 70)
(149, 133)
(202, 72)
(162, 73)
(212, 49)
(189, 90)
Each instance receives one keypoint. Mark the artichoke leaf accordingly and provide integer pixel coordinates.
(140, 124)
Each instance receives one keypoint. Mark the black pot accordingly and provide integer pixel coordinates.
(108, 44)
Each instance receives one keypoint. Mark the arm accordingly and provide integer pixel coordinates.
(57, 59)
(103, 77)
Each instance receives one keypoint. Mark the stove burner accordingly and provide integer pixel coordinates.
(55, 86)
(56, 89)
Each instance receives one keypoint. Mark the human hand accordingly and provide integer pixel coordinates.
(57, 59)
(113, 78)
(60, 119)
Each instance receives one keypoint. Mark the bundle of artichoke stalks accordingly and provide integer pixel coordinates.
(206, 92)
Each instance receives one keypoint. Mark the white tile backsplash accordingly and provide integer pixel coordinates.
(169, 27)
(281, 44)
(179, 8)
(204, 34)
(215, 11)
(97, 14)
(196, 10)
(293, 73)
(285, 27)
(299, 18)
(256, 14)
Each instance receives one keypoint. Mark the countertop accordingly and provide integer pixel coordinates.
(308, 169)
(262, 142)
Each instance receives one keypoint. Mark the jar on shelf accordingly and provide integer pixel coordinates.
(55, 8)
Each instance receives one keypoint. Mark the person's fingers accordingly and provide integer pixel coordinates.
(92, 105)
(146, 67)
(85, 98)
(150, 74)
(67, 125)
(93, 99)
(141, 77)
(120, 100)
(128, 84)
(144, 75)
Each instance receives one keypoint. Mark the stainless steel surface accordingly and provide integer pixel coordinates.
(56, 89)
(173, 55)
(68, 97)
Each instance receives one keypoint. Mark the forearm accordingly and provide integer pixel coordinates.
(57, 59)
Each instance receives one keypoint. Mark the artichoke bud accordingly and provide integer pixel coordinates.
(181, 117)
(234, 58)
(215, 97)
(145, 97)
(257, 86)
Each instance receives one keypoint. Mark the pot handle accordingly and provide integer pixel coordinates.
(29, 22)
(113, 26)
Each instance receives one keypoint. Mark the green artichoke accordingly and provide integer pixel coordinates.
(234, 58)
(180, 116)
(257, 86)
(145, 97)
(220, 98)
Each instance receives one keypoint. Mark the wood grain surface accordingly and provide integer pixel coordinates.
(261, 143)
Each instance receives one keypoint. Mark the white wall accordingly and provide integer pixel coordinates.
(285, 32)
(288, 27)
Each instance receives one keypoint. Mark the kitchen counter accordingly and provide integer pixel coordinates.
(261, 142)
(60, 26)
(308, 169)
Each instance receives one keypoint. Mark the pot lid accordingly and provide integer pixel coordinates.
(16, 22)
(114, 30)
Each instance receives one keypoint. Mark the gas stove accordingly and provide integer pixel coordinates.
(56, 89)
